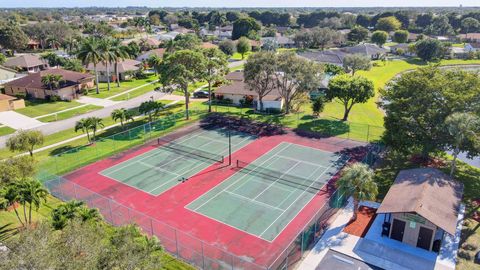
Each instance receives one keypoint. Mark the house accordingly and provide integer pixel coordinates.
(334, 57)
(472, 47)
(421, 207)
(167, 36)
(125, 70)
(370, 50)
(33, 45)
(151, 42)
(239, 92)
(208, 45)
(402, 49)
(412, 37)
(29, 63)
(8, 74)
(471, 37)
(279, 40)
(9, 103)
(144, 57)
(458, 52)
(71, 87)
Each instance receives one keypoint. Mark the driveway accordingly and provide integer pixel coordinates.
(18, 121)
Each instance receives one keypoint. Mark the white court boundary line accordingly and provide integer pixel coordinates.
(253, 201)
(284, 227)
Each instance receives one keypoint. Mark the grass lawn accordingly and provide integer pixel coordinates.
(39, 107)
(470, 241)
(124, 86)
(458, 45)
(69, 114)
(6, 130)
(238, 56)
(136, 93)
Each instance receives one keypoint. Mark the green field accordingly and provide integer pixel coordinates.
(6, 130)
(124, 86)
(39, 107)
(69, 114)
(136, 93)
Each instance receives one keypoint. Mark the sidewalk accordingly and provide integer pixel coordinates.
(18, 121)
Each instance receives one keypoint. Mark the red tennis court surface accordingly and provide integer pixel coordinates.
(170, 206)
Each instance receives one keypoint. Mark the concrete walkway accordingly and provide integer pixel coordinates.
(18, 121)
(131, 90)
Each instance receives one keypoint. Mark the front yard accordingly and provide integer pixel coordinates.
(124, 86)
(37, 107)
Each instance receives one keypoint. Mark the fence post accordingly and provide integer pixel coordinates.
(302, 243)
(176, 243)
(151, 226)
(233, 262)
(203, 256)
(111, 213)
(75, 191)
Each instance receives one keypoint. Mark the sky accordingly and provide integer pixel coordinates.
(235, 3)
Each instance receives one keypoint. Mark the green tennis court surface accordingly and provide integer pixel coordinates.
(162, 168)
(265, 195)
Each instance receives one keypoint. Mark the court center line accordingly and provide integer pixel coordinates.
(265, 189)
(236, 181)
(307, 188)
(279, 187)
(159, 168)
(296, 199)
(254, 201)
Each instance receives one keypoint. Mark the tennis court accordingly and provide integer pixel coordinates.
(264, 196)
(173, 162)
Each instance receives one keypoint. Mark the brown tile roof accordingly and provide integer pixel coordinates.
(6, 97)
(157, 52)
(469, 36)
(123, 66)
(208, 45)
(428, 192)
(24, 61)
(34, 80)
(239, 87)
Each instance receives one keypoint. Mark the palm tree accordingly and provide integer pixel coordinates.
(83, 125)
(89, 53)
(357, 179)
(73, 209)
(108, 57)
(150, 108)
(11, 197)
(94, 123)
(154, 61)
(6, 232)
(52, 81)
(123, 115)
(33, 193)
(463, 127)
(120, 53)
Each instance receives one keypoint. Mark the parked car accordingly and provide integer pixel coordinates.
(200, 94)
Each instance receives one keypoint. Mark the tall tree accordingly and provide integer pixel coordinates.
(89, 53)
(412, 126)
(358, 34)
(400, 36)
(388, 24)
(245, 27)
(259, 74)
(12, 36)
(354, 62)
(83, 125)
(216, 67)
(379, 37)
(463, 127)
(150, 108)
(350, 90)
(243, 46)
(31, 193)
(357, 179)
(119, 53)
(108, 57)
(470, 24)
(296, 76)
(182, 68)
(429, 49)
(25, 140)
(94, 123)
(226, 46)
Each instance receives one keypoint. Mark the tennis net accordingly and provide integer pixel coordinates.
(310, 185)
(189, 151)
